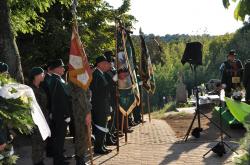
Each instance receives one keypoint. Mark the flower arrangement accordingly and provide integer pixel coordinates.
(15, 113)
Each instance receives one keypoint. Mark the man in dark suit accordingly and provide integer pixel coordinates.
(232, 73)
(45, 86)
(100, 104)
(112, 78)
(60, 109)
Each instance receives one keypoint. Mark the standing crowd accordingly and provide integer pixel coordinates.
(66, 105)
(68, 108)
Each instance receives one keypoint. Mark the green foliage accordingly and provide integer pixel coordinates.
(95, 24)
(11, 160)
(242, 9)
(168, 67)
(5, 79)
(25, 14)
(244, 158)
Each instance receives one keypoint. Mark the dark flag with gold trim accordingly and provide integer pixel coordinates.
(127, 80)
(146, 69)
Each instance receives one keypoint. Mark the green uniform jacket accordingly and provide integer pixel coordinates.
(100, 98)
(42, 100)
(60, 99)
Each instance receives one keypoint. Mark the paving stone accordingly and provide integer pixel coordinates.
(150, 144)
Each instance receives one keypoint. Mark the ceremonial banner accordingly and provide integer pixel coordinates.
(79, 69)
(127, 80)
(146, 69)
(240, 110)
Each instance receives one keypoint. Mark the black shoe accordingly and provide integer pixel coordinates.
(106, 149)
(61, 163)
(121, 134)
(80, 161)
(65, 163)
(114, 135)
(101, 151)
(40, 163)
(129, 130)
(132, 123)
(110, 141)
(49, 154)
(137, 122)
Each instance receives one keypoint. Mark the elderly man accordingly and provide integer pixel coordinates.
(100, 104)
(60, 109)
(232, 72)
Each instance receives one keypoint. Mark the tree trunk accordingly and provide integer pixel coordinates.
(8, 48)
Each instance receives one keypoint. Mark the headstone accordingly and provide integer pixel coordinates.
(181, 91)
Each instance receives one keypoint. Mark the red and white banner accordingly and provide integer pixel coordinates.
(79, 70)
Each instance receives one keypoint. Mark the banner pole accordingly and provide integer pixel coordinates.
(126, 131)
(90, 144)
(117, 93)
(149, 113)
(141, 105)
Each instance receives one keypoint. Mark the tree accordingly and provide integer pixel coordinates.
(95, 24)
(19, 16)
(242, 9)
(35, 23)
(8, 49)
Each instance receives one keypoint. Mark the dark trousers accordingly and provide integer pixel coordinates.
(99, 138)
(59, 137)
(50, 140)
(137, 114)
(38, 146)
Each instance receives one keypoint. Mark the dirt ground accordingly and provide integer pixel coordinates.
(180, 123)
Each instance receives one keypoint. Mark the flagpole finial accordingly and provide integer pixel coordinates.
(140, 31)
(74, 5)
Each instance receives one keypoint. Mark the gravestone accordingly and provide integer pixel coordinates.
(181, 91)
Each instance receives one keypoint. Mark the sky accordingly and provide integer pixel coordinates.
(161, 17)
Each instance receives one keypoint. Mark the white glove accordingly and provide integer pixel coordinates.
(67, 120)
(115, 78)
(223, 86)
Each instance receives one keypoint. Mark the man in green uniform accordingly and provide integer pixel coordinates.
(82, 119)
(112, 78)
(45, 86)
(38, 145)
(232, 73)
(100, 104)
(60, 109)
